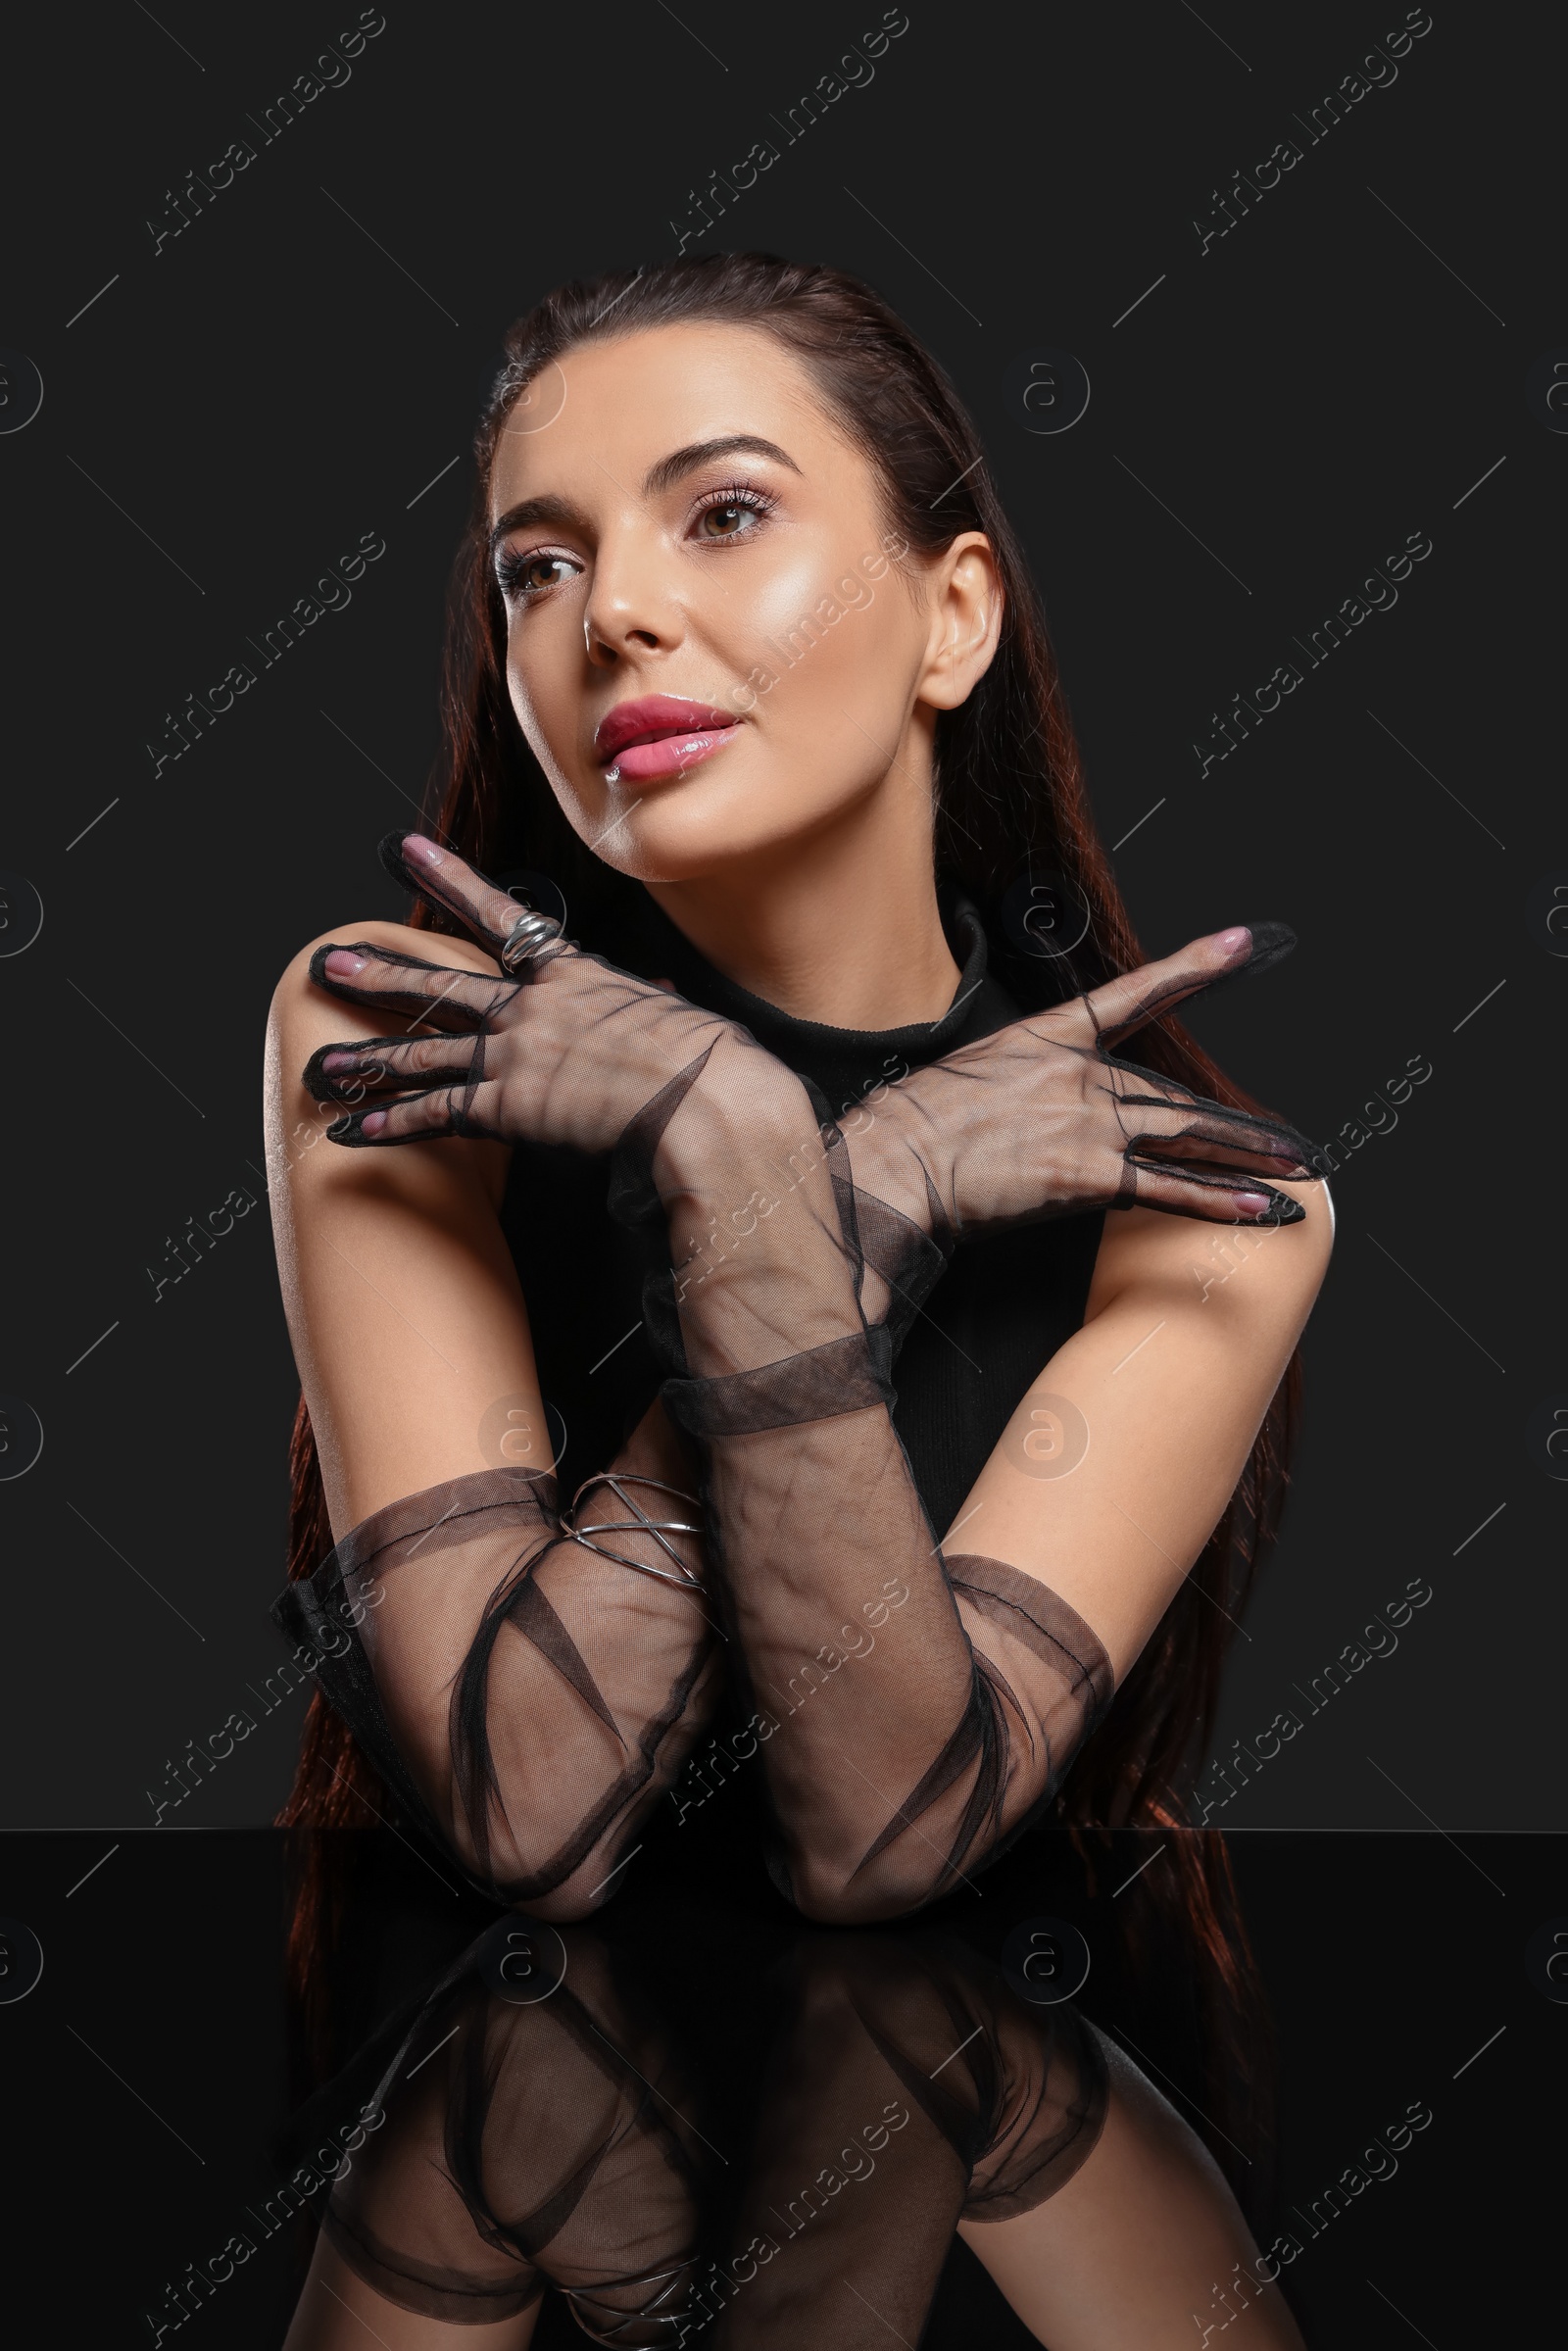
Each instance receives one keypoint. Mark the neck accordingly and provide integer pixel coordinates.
(840, 925)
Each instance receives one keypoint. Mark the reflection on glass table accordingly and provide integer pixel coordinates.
(543, 2138)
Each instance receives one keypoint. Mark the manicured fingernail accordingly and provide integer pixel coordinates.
(421, 851)
(1232, 942)
(335, 1062)
(343, 963)
(372, 1122)
(1252, 1203)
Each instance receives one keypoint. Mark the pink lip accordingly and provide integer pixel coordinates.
(656, 735)
(670, 754)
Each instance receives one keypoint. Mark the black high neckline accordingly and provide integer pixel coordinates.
(845, 1062)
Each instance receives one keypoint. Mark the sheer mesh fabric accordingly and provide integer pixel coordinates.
(910, 2091)
(568, 1055)
(1041, 1119)
(916, 1712)
(528, 1683)
(525, 2146)
(921, 1711)
(1044, 1118)
(565, 2142)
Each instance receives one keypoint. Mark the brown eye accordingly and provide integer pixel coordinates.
(529, 575)
(731, 517)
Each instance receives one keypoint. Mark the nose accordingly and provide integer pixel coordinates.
(633, 609)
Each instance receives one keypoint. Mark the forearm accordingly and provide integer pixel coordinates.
(914, 2088)
(742, 1175)
(796, 1270)
(891, 1779)
(529, 1694)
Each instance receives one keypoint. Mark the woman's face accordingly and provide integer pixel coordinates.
(712, 647)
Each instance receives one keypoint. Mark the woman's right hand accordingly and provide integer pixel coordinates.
(1044, 1117)
(567, 1052)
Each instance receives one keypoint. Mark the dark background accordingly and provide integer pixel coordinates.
(230, 413)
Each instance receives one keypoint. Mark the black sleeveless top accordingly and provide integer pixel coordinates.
(999, 1313)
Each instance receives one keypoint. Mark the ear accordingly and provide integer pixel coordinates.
(967, 602)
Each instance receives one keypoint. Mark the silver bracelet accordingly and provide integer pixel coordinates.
(639, 1522)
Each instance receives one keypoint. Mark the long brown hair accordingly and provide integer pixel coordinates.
(1010, 802)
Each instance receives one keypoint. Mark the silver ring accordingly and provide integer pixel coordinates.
(527, 935)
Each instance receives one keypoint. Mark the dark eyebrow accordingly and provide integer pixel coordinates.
(662, 476)
(557, 511)
(670, 469)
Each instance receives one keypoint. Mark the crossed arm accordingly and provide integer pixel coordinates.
(554, 2143)
(408, 1324)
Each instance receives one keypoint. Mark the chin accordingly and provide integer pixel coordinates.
(682, 846)
(691, 829)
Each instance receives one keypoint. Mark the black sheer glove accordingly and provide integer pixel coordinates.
(539, 2125)
(527, 1681)
(559, 1048)
(915, 1713)
(919, 1712)
(1044, 1118)
(553, 2140)
(1041, 1119)
(910, 2089)
(528, 2143)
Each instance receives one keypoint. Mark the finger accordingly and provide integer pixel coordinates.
(1209, 1199)
(1189, 1126)
(1189, 1147)
(379, 1065)
(465, 1111)
(1115, 1011)
(446, 880)
(364, 975)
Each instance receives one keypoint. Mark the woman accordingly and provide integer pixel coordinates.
(738, 615)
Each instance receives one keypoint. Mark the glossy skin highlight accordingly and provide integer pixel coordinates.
(693, 523)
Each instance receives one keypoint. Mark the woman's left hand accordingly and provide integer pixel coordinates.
(1044, 1117)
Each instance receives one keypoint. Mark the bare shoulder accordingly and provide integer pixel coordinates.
(403, 1303)
(304, 1017)
(1188, 1260)
(297, 1001)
